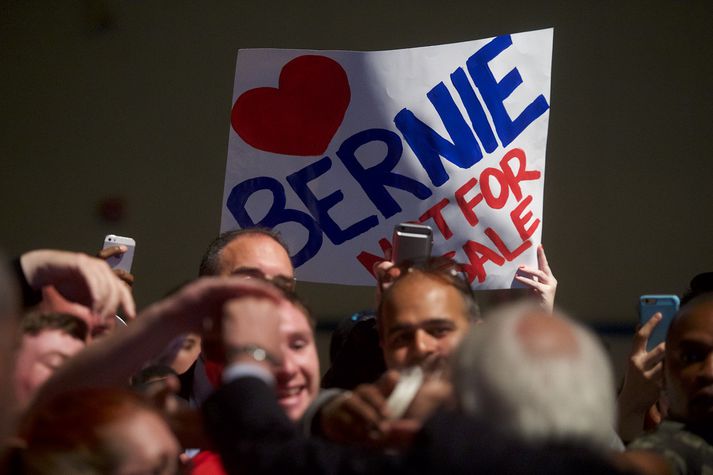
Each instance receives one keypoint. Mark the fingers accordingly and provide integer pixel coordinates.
(532, 283)
(352, 418)
(655, 373)
(387, 382)
(381, 268)
(400, 433)
(373, 397)
(107, 252)
(386, 272)
(101, 285)
(360, 416)
(106, 291)
(126, 277)
(540, 274)
(542, 263)
(126, 302)
(646, 360)
(540, 280)
(542, 288)
(641, 337)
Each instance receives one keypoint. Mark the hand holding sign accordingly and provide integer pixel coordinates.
(540, 280)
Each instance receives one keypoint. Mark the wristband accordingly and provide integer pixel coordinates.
(256, 352)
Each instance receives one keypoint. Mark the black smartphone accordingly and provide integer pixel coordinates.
(411, 242)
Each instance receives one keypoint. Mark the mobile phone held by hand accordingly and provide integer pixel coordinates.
(667, 306)
(411, 242)
(402, 396)
(123, 260)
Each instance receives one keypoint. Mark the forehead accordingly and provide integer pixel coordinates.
(48, 341)
(293, 319)
(696, 323)
(257, 251)
(417, 296)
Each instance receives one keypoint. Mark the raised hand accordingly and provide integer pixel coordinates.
(540, 280)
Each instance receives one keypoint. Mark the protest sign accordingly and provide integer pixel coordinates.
(333, 148)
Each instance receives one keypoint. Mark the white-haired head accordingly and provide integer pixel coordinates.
(537, 376)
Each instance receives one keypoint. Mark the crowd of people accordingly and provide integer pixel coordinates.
(222, 375)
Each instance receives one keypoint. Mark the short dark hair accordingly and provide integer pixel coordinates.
(444, 270)
(685, 310)
(211, 257)
(34, 323)
(700, 284)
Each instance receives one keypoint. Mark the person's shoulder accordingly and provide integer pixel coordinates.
(664, 435)
(684, 449)
(672, 433)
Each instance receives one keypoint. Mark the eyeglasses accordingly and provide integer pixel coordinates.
(281, 281)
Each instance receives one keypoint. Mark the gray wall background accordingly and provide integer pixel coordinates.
(103, 98)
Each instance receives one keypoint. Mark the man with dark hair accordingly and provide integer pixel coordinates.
(424, 314)
(48, 340)
(251, 252)
(685, 438)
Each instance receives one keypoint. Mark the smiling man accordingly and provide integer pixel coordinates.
(685, 439)
(252, 253)
(297, 377)
(259, 253)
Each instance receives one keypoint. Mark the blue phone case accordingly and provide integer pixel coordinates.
(667, 305)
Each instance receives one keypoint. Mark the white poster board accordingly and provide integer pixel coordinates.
(334, 148)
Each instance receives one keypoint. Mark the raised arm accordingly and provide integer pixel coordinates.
(540, 280)
(112, 360)
(78, 278)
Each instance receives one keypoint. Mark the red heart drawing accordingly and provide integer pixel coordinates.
(301, 116)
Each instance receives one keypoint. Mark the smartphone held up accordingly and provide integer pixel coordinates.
(667, 306)
(121, 260)
(411, 242)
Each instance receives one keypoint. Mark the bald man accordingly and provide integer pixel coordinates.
(538, 377)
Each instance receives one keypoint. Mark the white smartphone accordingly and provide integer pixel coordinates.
(410, 381)
(120, 261)
(411, 242)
